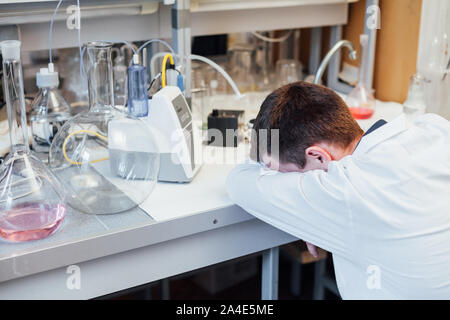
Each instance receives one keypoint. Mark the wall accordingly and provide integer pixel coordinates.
(397, 44)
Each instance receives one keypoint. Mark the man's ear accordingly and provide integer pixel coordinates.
(317, 157)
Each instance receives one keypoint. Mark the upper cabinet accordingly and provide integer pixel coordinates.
(145, 19)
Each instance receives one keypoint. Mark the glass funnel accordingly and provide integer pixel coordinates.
(107, 159)
(361, 100)
(31, 199)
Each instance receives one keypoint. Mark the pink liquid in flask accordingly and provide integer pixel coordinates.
(361, 112)
(31, 221)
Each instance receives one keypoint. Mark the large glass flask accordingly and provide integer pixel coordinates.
(31, 199)
(361, 100)
(107, 158)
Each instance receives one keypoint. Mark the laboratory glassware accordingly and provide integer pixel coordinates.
(361, 100)
(49, 112)
(415, 102)
(242, 65)
(120, 81)
(107, 158)
(32, 203)
(137, 89)
(288, 71)
(433, 60)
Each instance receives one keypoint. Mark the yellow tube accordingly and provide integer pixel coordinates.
(82, 131)
(163, 72)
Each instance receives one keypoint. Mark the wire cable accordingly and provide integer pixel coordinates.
(163, 68)
(77, 132)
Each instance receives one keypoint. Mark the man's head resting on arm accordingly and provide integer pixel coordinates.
(311, 124)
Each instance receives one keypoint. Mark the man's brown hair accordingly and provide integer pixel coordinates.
(304, 114)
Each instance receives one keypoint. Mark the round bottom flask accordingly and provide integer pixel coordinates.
(31, 198)
(106, 158)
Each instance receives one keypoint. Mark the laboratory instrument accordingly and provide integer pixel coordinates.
(49, 111)
(179, 141)
(225, 128)
(106, 157)
(361, 100)
(217, 98)
(32, 204)
(137, 89)
(415, 102)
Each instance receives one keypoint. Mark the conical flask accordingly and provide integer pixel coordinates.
(31, 198)
(361, 100)
(107, 159)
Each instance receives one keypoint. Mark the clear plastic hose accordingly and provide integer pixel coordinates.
(50, 33)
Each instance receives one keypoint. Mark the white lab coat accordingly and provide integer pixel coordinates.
(383, 212)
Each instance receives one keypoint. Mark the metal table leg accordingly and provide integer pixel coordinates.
(269, 287)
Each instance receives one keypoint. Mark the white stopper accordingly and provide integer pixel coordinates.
(10, 49)
(135, 59)
(47, 77)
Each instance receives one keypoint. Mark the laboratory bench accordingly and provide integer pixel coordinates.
(179, 228)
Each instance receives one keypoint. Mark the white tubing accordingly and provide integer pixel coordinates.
(220, 69)
(50, 33)
(205, 60)
(272, 40)
(159, 41)
(152, 41)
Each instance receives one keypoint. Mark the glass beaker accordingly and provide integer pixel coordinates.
(361, 100)
(415, 102)
(31, 199)
(107, 158)
(288, 71)
(242, 59)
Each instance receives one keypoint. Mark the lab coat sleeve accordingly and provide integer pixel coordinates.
(311, 206)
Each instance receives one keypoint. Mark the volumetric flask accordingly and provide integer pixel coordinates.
(31, 198)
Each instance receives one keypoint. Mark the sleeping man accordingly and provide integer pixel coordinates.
(379, 201)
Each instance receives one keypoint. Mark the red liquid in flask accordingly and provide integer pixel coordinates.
(361, 112)
(31, 221)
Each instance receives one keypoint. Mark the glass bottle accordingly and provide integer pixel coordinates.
(361, 100)
(415, 102)
(120, 81)
(31, 198)
(106, 157)
(49, 112)
(137, 89)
